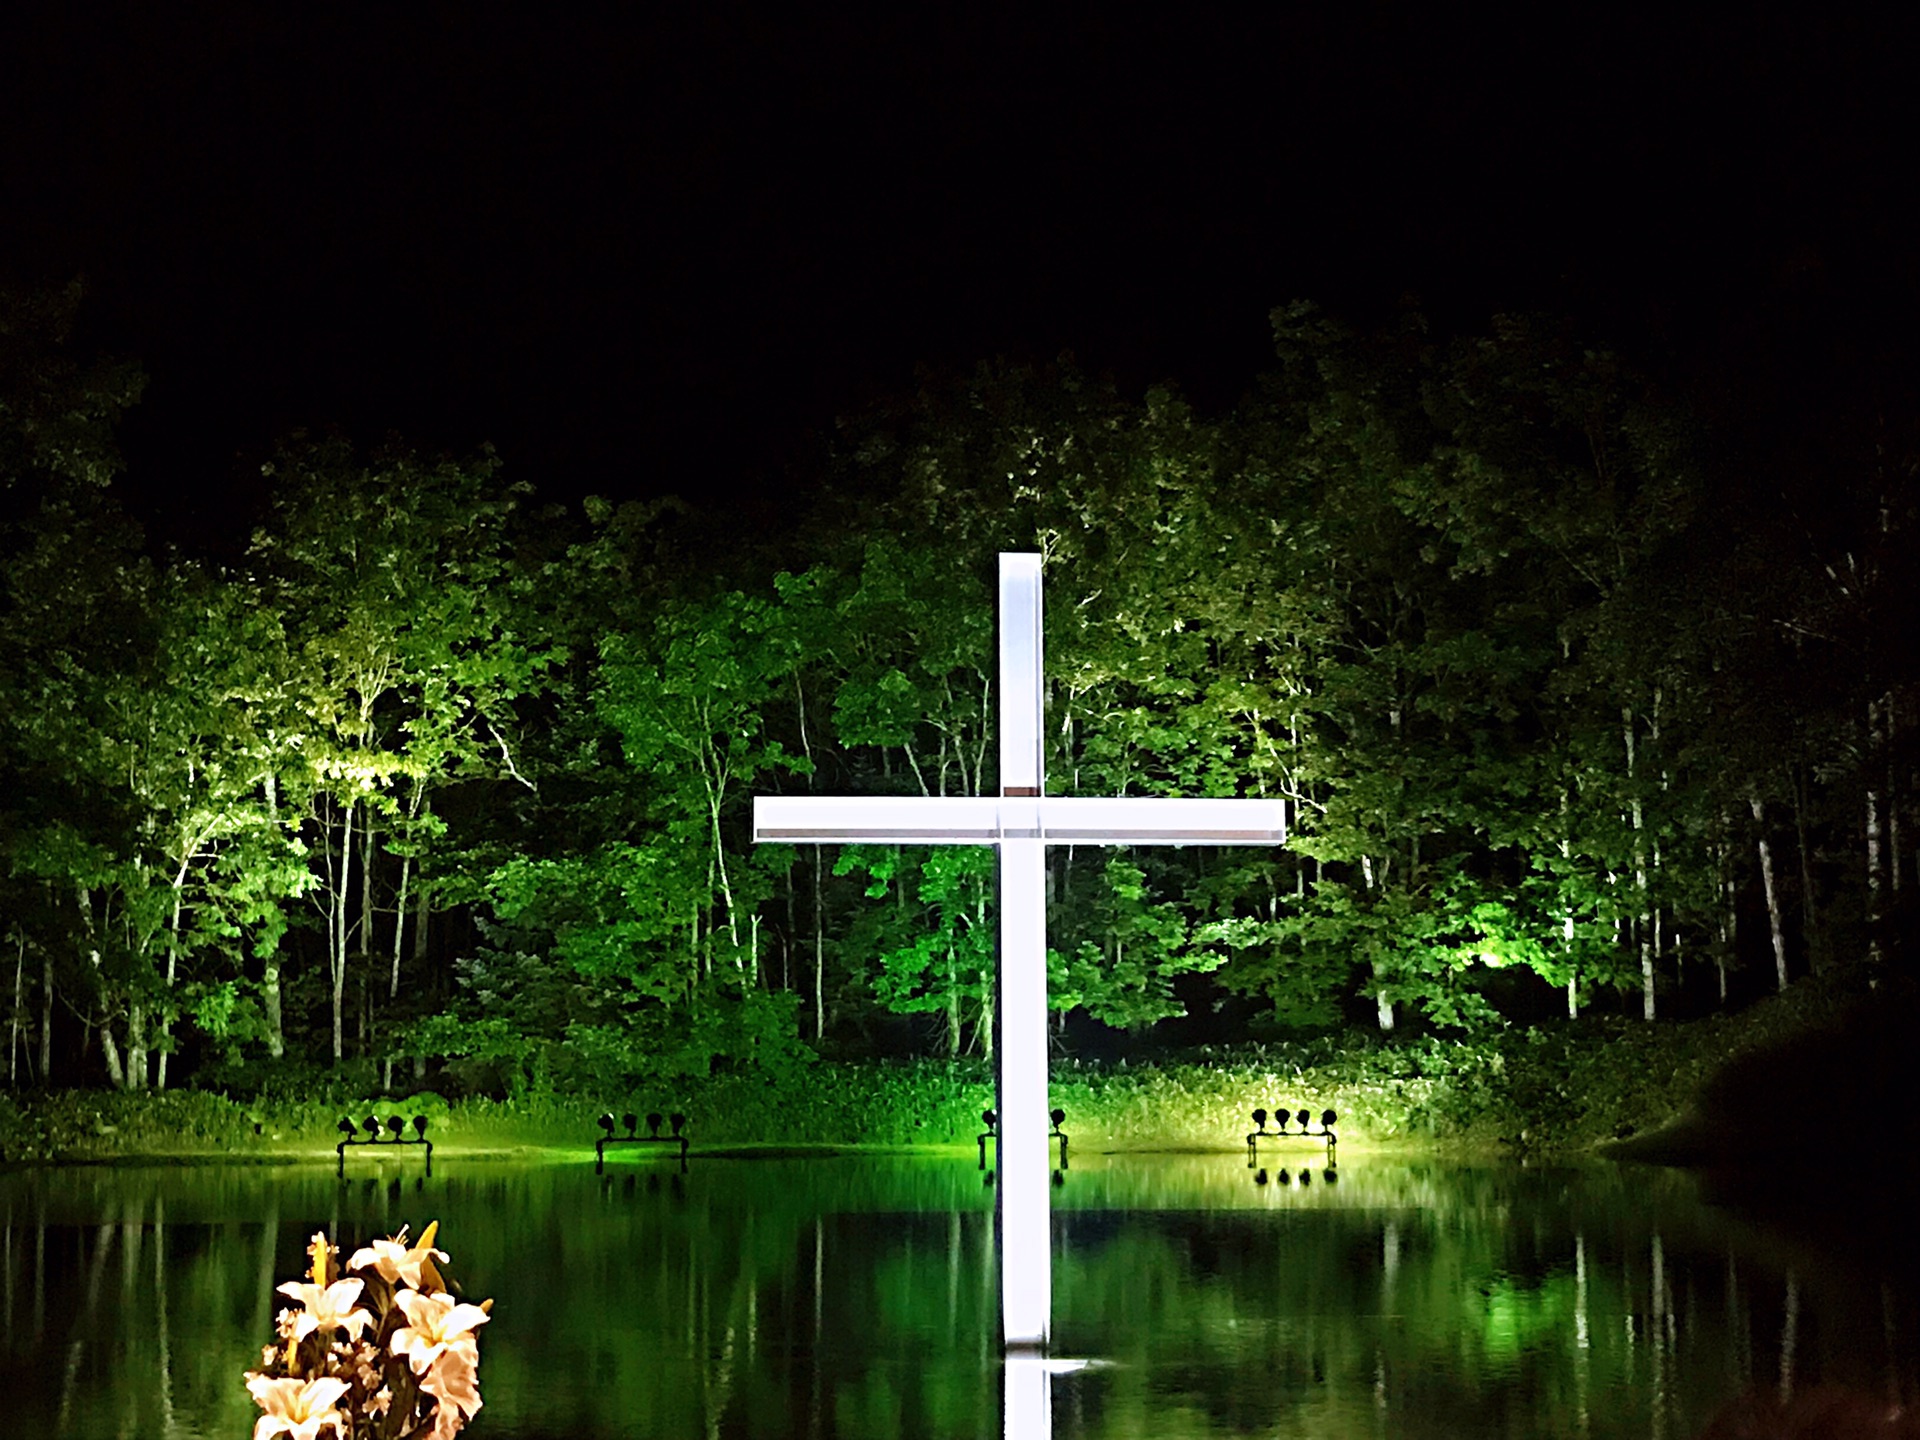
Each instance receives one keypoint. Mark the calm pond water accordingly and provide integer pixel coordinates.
(857, 1298)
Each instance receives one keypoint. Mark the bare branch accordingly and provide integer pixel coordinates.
(506, 756)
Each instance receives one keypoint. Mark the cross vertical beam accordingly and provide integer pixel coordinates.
(1021, 701)
(1026, 1267)
(1026, 1270)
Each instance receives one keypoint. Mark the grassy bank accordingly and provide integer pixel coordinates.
(1564, 1088)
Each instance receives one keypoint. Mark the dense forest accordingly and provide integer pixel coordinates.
(1573, 705)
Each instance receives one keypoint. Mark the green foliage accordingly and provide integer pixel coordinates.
(434, 780)
(935, 957)
(58, 410)
(1123, 971)
(1565, 1088)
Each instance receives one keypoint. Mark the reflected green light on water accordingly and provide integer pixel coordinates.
(857, 1297)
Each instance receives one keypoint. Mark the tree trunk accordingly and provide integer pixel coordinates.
(270, 973)
(393, 978)
(1809, 912)
(726, 883)
(116, 1072)
(421, 912)
(1573, 978)
(135, 1045)
(416, 807)
(983, 1027)
(1659, 928)
(15, 1040)
(46, 1019)
(1873, 831)
(1773, 898)
(339, 936)
(270, 1002)
(819, 956)
(1646, 975)
(1566, 918)
(790, 935)
(1659, 921)
(173, 967)
(422, 909)
(366, 890)
(694, 956)
(1643, 930)
(1729, 925)
(399, 926)
(1382, 1006)
(1889, 724)
(954, 1024)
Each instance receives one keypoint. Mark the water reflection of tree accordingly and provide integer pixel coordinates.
(113, 1317)
(818, 1298)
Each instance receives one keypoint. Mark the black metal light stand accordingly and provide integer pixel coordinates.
(991, 1118)
(1280, 1119)
(676, 1120)
(395, 1136)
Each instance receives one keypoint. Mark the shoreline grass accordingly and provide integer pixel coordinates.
(1578, 1087)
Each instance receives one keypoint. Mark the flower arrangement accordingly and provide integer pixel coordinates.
(381, 1352)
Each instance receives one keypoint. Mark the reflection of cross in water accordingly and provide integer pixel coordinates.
(1021, 821)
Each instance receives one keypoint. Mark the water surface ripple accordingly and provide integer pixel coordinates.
(856, 1297)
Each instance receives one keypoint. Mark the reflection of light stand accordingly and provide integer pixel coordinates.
(652, 1137)
(1328, 1176)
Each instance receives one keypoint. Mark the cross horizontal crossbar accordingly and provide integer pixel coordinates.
(989, 819)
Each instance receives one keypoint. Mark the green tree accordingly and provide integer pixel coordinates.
(126, 681)
(401, 600)
(58, 410)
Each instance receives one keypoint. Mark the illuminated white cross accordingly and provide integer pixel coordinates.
(1021, 821)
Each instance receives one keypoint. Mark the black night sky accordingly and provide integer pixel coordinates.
(660, 248)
